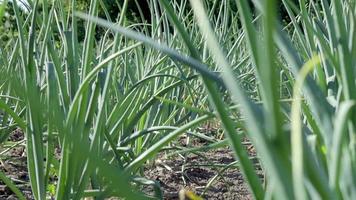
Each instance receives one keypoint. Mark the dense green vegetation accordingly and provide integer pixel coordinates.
(109, 94)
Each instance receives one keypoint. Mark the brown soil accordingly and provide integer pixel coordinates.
(175, 173)
(193, 172)
(14, 164)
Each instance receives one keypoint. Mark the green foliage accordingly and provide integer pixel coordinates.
(112, 96)
(8, 22)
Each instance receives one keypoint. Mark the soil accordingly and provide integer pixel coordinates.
(193, 172)
(14, 164)
(177, 173)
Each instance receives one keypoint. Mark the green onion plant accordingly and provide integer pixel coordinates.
(95, 111)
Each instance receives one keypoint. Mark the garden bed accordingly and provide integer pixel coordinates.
(193, 172)
(174, 173)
